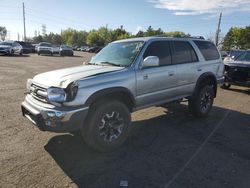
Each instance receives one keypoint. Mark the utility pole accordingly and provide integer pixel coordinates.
(218, 31)
(106, 34)
(24, 27)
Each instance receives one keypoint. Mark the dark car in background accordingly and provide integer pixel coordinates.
(232, 54)
(27, 47)
(237, 72)
(10, 48)
(94, 49)
(66, 50)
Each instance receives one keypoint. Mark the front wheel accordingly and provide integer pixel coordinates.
(201, 103)
(107, 126)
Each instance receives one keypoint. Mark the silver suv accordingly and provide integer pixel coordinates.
(127, 75)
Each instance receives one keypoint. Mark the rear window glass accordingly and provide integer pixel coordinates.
(208, 50)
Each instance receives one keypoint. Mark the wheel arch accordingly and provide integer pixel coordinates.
(206, 78)
(119, 93)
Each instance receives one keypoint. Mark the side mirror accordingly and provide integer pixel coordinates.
(150, 61)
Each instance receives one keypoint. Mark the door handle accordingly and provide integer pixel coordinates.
(145, 77)
(199, 69)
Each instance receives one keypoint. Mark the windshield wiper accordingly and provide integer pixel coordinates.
(110, 63)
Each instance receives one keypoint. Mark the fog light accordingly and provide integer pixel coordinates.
(60, 114)
(51, 114)
(48, 123)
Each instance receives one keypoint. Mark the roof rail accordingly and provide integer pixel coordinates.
(183, 36)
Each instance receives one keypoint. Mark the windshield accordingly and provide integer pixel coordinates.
(6, 43)
(46, 44)
(244, 56)
(118, 54)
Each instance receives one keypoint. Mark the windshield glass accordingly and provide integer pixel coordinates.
(6, 43)
(46, 44)
(244, 56)
(118, 54)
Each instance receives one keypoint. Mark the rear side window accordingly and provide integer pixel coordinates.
(208, 50)
(161, 49)
(183, 52)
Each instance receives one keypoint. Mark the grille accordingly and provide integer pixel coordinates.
(38, 92)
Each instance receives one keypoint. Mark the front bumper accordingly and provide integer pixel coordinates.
(56, 119)
(44, 51)
(5, 52)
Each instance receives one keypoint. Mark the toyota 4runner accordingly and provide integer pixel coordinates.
(97, 98)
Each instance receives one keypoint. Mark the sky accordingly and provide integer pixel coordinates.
(196, 17)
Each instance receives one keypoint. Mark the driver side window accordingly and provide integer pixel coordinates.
(161, 49)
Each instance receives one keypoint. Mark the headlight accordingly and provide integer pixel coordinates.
(55, 94)
(71, 91)
(28, 84)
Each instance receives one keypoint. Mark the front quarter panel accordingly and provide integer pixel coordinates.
(89, 86)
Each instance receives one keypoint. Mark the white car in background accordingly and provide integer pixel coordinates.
(10, 48)
(55, 49)
(44, 48)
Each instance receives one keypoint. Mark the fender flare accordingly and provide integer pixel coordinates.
(109, 92)
(202, 78)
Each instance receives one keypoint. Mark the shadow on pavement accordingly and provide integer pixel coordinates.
(245, 91)
(158, 147)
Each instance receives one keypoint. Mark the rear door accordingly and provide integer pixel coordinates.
(186, 61)
(156, 84)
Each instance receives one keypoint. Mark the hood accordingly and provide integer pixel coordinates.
(63, 77)
(238, 63)
(5, 46)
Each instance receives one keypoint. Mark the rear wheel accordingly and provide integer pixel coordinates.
(200, 104)
(12, 52)
(107, 126)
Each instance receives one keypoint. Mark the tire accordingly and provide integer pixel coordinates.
(200, 104)
(107, 126)
(51, 53)
(21, 52)
(12, 53)
(38, 53)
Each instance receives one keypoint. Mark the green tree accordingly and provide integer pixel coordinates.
(3, 32)
(38, 39)
(95, 39)
(237, 38)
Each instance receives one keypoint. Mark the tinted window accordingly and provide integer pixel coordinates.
(160, 49)
(183, 52)
(208, 50)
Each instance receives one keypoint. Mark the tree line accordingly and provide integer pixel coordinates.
(237, 38)
(99, 37)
